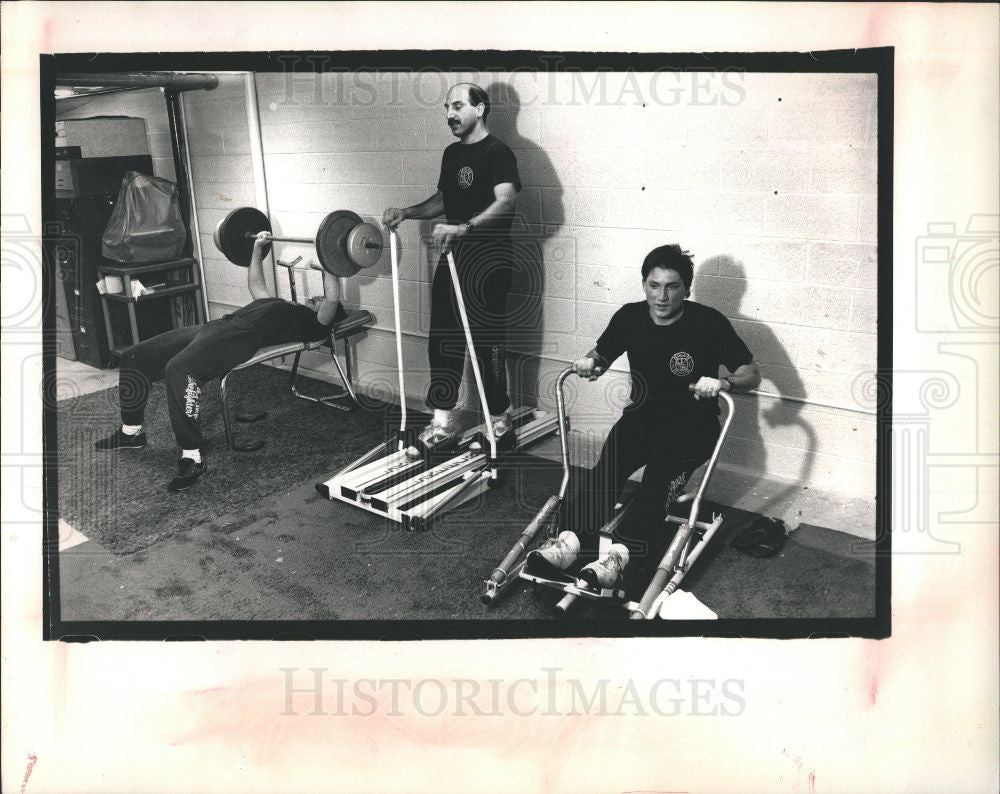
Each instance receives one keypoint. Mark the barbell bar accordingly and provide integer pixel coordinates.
(344, 243)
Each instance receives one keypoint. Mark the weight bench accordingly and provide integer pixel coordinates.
(344, 399)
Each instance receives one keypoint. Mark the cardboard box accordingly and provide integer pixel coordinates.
(105, 136)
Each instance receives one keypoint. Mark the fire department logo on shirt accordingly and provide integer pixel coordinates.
(681, 364)
(465, 177)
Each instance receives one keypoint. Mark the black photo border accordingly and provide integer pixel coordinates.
(874, 60)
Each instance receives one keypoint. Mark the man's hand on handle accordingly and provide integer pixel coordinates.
(445, 234)
(392, 217)
(708, 388)
(587, 367)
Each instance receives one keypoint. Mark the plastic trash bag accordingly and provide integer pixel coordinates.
(146, 224)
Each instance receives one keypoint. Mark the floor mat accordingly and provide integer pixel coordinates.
(295, 555)
(119, 498)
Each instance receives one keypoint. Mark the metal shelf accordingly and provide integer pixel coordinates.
(162, 292)
(136, 270)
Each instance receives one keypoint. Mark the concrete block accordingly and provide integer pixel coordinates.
(558, 205)
(608, 167)
(821, 107)
(324, 198)
(554, 279)
(560, 248)
(224, 195)
(559, 315)
(868, 219)
(844, 169)
(843, 264)
(814, 217)
(404, 132)
(592, 319)
(770, 343)
(546, 168)
(773, 260)
(759, 170)
(365, 168)
(519, 130)
(836, 351)
(163, 167)
(209, 217)
(625, 286)
(217, 115)
(221, 168)
(591, 207)
(818, 307)
(723, 294)
(236, 140)
(529, 205)
(421, 168)
(864, 311)
(742, 124)
(593, 284)
(161, 146)
(649, 209)
(725, 213)
(319, 137)
(837, 388)
(679, 167)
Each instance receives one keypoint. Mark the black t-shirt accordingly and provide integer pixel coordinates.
(666, 359)
(279, 321)
(469, 172)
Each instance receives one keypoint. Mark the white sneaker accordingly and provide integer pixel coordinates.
(503, 432)
(559, 552)
(606, 572)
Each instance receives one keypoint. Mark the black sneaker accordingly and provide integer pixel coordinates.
(120, 440)
(188, 473)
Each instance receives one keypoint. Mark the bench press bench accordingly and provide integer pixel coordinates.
(343, 399)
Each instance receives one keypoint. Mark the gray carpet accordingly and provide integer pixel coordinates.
(120, 499)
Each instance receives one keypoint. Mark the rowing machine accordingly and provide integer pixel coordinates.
(691, 537)
(413, 488)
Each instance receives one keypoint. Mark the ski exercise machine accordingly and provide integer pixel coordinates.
(410, 483)
(691, 538)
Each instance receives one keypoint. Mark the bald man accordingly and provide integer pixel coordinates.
(477, 194)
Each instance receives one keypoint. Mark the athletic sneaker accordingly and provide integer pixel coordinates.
(438, 436)
(120, 440)
(503, 430)
(559, 552)
(188, 473)
(606, 572)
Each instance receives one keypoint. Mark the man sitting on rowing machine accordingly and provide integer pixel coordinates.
(187, 358)
(675, 347)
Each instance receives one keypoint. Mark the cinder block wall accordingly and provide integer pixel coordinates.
(148, 105)
(769, 179)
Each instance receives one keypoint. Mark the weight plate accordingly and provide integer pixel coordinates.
(331, 242)
(235, 234)
(364, 245)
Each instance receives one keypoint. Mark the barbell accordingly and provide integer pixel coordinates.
(344, 242)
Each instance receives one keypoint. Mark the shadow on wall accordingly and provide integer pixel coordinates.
(752, 425)
(535, 222)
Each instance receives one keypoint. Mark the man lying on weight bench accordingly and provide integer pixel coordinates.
(187, 358)
(674, 348)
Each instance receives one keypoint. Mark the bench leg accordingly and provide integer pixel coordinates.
(344, 399)
(250, 446)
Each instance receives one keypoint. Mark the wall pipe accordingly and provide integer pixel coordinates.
(166, 80)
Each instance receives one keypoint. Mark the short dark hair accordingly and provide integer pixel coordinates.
(477, 96)
(670, 257)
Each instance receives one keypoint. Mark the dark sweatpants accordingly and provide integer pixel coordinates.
(186, 359)
(485, 279)
(671, 448)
